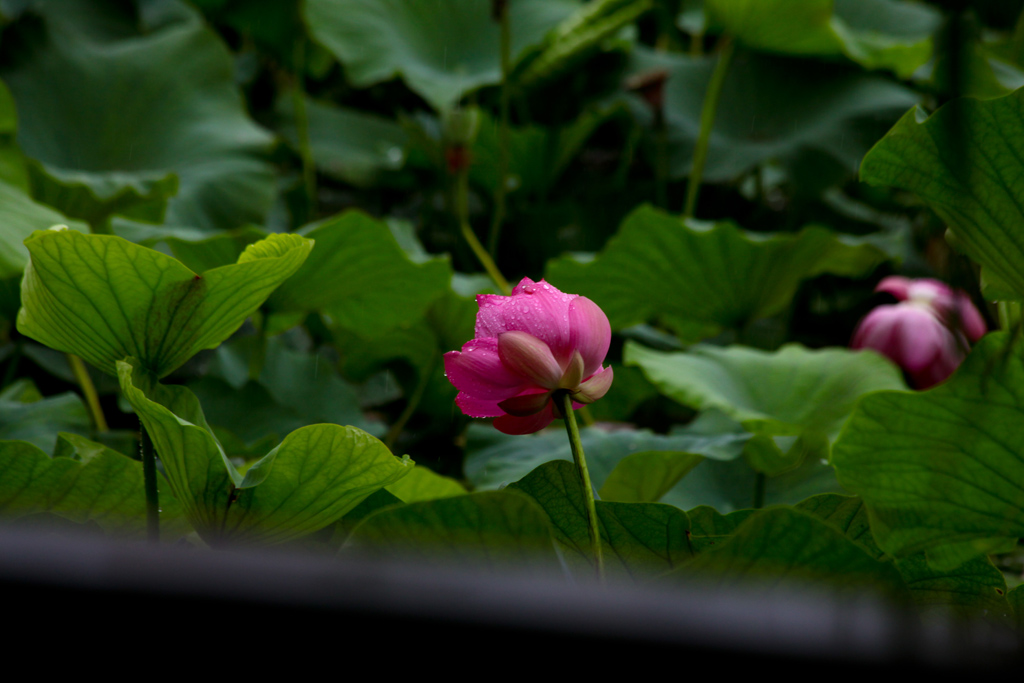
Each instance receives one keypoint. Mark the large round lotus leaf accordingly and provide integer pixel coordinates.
(772, 109)
(443, 49)
(719, 276)
(878, 34)
(942, 471)
(114, 113)
(965, 162)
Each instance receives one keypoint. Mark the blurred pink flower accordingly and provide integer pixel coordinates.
(926, 333)
(528, 346)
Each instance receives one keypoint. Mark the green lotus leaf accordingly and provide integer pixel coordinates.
(96, 485)
(104, 298)
(423, 484)
(709, 528)
(1016, 600)
(26, 416)
(484, 532)
(781, 544)
(578, 35)
(347, 144)
(133, 113)
(494, 459)
(974, 588)
(293, 390)
(13, 170)
(878, 34)
(942, 471)
(316, 475)
(846, 513)
(638, 540)
(773, 109)
(20, 216)
(361, 278)
(646, 477)
(699, 263)
(965, 162)
(199, 250)
(441, 50)
(793, 401)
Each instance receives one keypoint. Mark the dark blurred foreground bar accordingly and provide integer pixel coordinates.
(256, 599)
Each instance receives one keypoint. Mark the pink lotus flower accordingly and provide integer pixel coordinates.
(528, 346)
(926, 333)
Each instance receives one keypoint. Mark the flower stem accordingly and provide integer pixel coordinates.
(302, 130)
(1009, 314)
(707, 122)
(413, 402)
(462, 210)
(12, 366)
(92, 398)
(149, 479)
(501, 191)
(661, 159)
(565, 404)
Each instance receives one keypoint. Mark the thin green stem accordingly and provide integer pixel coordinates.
(1009, 314)
(12, 366)
(760, 482)
(707, 122)
(661, 159)
(302, 130)
(565, 404)
(462, 210)
(501, 191)
(149, 479)
(92, 398)
(413, 402)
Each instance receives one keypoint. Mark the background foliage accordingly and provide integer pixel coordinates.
(339, 133)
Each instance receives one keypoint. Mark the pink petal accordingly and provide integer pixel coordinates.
(477, 407)
(529, 358)
(971, 321)
(510, 424)
(478, 370)
(876, 329)
(490, 318)
(524, 284)
(908, 333)
(595, 387)
(526, 403)
(935, 373)
(536, 308)
(896, 285)
(589, 333)
(922, 339)
(930, 290)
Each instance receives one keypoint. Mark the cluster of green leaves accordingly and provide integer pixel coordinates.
(263, 262)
